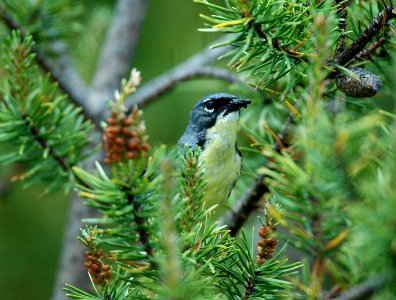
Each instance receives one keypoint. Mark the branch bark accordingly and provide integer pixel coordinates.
(117, 53)
(193, 67)
(114, 65)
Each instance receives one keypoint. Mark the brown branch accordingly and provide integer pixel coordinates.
(366, 36)
(117, 53)
(248, 202)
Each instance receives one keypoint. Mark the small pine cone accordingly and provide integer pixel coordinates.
(106, 267)
(100, 253)
(126, 132)
(96, 280)
(87, 264)
(128, 122)
(261, 253)
(134, 144)
(107, 160)
(95, 267)
(265, 231)
(146, 147)
(270, 250)
(92, 259)
(102, 275)
(92, 272)
(111, 121)
(108, 274)
(131, 155)
(116, 157)
(120, 141)
(261, 261)
(117, 149)
(114, 129)
(268, 256)
(261, 243)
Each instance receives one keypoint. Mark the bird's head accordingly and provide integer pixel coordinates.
(216, 107)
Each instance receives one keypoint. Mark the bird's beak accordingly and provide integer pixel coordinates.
(241, 103)
(235, 105)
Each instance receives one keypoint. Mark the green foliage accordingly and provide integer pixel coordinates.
(162, 241)
(41, 128)
(47, 21)
(271, 38)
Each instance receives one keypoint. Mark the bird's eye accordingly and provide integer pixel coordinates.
(209, 106)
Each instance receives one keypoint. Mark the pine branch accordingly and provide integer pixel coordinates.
(116, 54)
(248, 202)
(44, 145)
(190, 68)
(61, 70)
(366, 36)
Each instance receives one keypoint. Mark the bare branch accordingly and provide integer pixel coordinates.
(366, 36)
(170, 79)
(363, 290)
(248, 202)
(71, 263)
(116, 55)
(190, 68)
(114, 64)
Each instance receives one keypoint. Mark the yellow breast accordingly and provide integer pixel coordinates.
(220, 160)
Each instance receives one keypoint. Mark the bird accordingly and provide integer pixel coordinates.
(213, 127)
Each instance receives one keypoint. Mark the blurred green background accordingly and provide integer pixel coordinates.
(31, 225)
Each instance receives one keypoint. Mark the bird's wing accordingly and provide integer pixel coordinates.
(192, 139)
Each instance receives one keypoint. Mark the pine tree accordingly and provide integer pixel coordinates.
(320, 155)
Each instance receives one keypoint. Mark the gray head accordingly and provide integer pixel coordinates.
(206, 113)
(209, 108)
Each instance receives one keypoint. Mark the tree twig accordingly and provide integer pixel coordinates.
(366, 36)
(117, 53)
(170, 79)
(190, 68)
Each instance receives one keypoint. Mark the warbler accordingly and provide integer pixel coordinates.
(213, 127)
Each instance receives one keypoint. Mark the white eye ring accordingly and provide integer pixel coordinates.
(208, 106)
